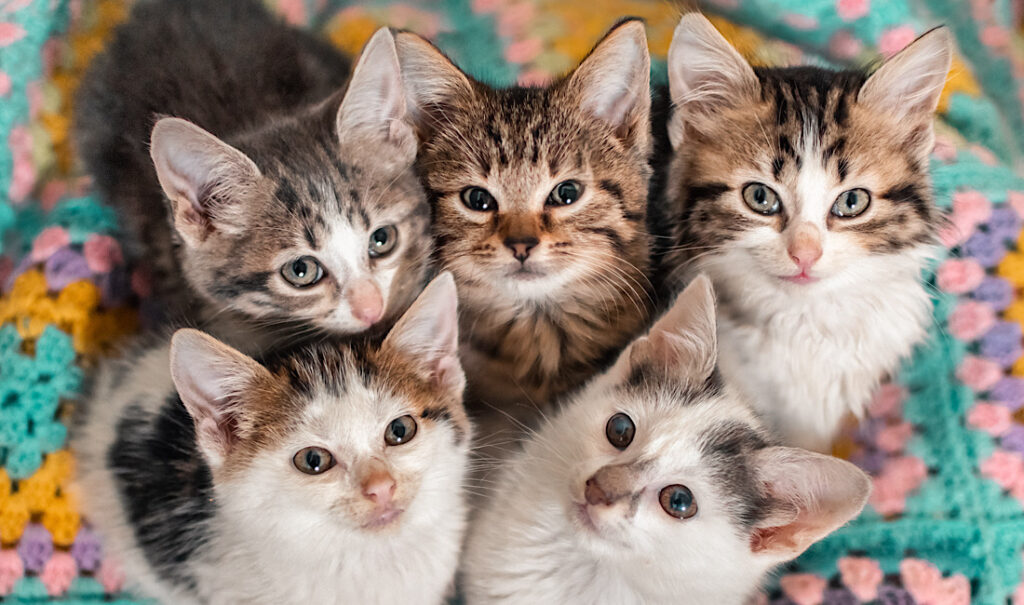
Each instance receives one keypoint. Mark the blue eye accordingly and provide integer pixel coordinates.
(677, 500)
(761, 199)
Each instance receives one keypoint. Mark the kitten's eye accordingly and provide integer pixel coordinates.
(383, 241)
(620, 430)
(479, 199)
(401, 430)
(677, 500)
(313, 460)
(761, 198)
(851, 203)
(565, 193)
(302, 272)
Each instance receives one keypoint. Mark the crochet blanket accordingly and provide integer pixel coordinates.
(944, 441)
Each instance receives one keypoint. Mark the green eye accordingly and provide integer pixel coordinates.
(851, 203)
(677, 500)
(761, 199)
(302, 272)
(565, 193)
(620, 430)
(479, 199)
(383, 241)
(400, 430)
(313, 460)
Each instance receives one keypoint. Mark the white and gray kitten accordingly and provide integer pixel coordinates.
(331, 473)
(655, 484)
(805, 195)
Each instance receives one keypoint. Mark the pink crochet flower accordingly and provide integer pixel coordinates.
(799, 21)
(11, 570)
(973, 205)
(102, 253)
(23, 174)
(49, 241)
(895, 39)
(993, 419)
(862, 576)
(959, 275)
(804, 588)
(944, 149)
(110, 576)
(485, 6)
(58, 573)
(979, 374)
(10, 33)
(1016, 201)
(293, 11)
(971, 320)
(524, 51)
(5, 83)
(844, 46)
(848, 10)
(1005, 468)
(514, 19)
(893, 439)
(995, 36)
(925, 583)
(887, 401)
(899, 477)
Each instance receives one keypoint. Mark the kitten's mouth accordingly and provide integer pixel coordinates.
(383, 518)
(525, 272)
(583, 516)
(801, 278)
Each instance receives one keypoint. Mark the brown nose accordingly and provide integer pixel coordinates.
(521, 246)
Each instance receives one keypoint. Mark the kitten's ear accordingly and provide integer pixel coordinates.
(374, 108)
(909, 84)
(432, 81)
(211, 379)
(427, 335)
(683, 342)
(811, 495)
(206, 180)
(613, 82)
(705, 74)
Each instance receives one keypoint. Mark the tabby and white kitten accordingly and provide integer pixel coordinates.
(654, 484)
(308, 210)
(805, 195)
(331, 473)
(539, 202)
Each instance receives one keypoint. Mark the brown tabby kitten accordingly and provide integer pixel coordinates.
(539, 201)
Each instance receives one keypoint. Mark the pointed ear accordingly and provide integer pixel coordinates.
(705, 74)
(432, 81)
(428, 334)
(613, 82)
(909, 84)
(212, 379)
(811, 496)
(206, 180)
(683, 342)
(374, 108)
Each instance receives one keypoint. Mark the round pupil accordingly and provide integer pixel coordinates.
(300, 268)
(313, 460)
(620, 427)
(680, 500)
(398, 429)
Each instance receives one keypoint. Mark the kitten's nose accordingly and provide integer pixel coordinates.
(379, 488)
(365, 301)
(805, 247)
(596, 494)
(521, 246)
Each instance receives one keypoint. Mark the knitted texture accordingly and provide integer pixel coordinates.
(944, 441)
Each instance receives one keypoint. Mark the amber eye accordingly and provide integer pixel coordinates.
(677, 500)
(313, 460)
(479, 199)
(383, 241)
(851, 203)
(620, 430)
(400, 430)
(302, 272)
(761, 199)
(565, 193)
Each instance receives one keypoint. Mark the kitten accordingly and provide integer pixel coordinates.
(308, 211)
(805, 195)
(538, 199)
(328, 474)
(654, 484)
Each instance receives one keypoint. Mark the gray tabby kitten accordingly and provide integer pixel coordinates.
(275, 194)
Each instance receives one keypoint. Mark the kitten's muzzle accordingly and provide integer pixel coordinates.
(521, 246)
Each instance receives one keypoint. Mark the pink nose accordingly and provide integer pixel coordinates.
(805, 255)
(379, 488)
(366, 302)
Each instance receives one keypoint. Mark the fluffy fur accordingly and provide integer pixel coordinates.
(549, 291)
(815, 308)
(186, 466)
(574, 519)
(269, 158)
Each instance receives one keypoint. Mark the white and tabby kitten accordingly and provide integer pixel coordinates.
(655, 484)
(805, 195)
(331, 473)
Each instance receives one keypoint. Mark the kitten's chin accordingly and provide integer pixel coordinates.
(377, 521)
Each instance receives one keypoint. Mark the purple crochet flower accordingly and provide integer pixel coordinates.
(35, 547)
(64, 267)
(871, 461)
(86, 550)
(985, 248)
(1002, 343)
(840, 596)
(892, 595)
(1009, 391)
(1004, 224)
(1014, 439)
(996, 291)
